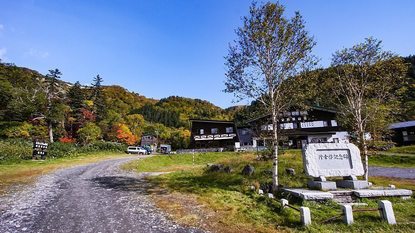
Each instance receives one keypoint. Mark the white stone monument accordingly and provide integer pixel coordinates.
(323, 160)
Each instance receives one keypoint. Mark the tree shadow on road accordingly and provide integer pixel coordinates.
(123, 183)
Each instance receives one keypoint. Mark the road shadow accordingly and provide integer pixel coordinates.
(123, 183)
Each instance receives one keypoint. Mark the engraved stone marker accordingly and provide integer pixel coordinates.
(323, 160)
(332, 159)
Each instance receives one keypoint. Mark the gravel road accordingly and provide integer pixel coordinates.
(404, 173)
(94, 198)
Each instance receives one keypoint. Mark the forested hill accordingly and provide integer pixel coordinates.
(175, 111)
(32, 103)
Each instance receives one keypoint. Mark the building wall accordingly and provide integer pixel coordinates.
(213, 134)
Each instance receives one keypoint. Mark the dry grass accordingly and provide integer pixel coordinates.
(399, 183)
(195, 211)
(27, 171)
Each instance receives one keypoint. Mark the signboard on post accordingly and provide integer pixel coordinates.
(39, 150)
(332, 159)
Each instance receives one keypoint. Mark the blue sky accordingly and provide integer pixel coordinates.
(159, 48)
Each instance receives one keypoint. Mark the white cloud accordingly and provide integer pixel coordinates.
(37, 53)
(3, 52)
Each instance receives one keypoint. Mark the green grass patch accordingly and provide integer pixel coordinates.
(392, 160)
(228, 194)
(403, 150)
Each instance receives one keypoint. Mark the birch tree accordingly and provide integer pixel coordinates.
(269, 50)
(368, 83)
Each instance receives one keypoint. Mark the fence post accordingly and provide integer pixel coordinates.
(284, 203)
(386, 211)
(347, 214)
(305, 216)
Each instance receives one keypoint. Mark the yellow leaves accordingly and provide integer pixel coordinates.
(88, 103)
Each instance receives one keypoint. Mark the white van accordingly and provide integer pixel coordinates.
(136, 150)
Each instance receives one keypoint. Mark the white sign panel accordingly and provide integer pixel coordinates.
(332, 159)
(287, 126)
(312, 124)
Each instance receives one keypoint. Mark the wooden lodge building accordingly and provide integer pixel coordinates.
(213, 134)
(296, 128)
(404, 133)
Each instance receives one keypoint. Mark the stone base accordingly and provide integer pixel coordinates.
(307, 194)
(353, 184)
(368, 193)
(322, 185)
(315, 195)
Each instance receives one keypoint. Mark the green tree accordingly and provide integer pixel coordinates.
(136, 124)
(53, 101)
(98, 98)
(89, 133)
(269, 50)
(368, 84)
(76, 97)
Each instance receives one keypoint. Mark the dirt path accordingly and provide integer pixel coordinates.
(403, 173)
(93, 198)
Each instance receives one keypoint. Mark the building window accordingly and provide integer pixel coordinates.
(214, 131)
(229, 129)
(202, 131)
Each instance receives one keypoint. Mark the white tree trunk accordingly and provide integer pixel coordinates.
(50, 129)
(275, 151)
(365, 154)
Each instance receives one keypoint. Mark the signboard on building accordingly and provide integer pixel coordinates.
(332, 159)
(312, 124)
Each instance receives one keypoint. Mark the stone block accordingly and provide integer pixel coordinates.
(322, 185)
(353, 184)
(306, 194)
(260, 192)
(284, 203)
(305, 215)
(347, 214)
(270, 195)
(386, 212)
(368, 193)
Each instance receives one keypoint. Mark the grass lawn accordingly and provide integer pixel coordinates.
(26, 171)
(403, 156)
(222, 202)
(403, 149)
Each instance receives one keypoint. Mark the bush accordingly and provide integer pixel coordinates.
(15, 150)
(59, 150)
(103, 146)
(380, 145)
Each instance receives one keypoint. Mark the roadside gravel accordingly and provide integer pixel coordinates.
(394, 172)
(99, 197)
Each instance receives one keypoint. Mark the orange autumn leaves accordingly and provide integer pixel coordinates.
(124, 134)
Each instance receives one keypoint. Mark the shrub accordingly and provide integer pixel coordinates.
(59, 150)
(89, 133)
(103, 146)
(380, 145)
(15, 150)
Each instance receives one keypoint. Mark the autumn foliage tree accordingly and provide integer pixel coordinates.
(124, 135)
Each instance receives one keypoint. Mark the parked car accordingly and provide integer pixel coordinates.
(148, 149)
(136, 150)
(165, 149)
